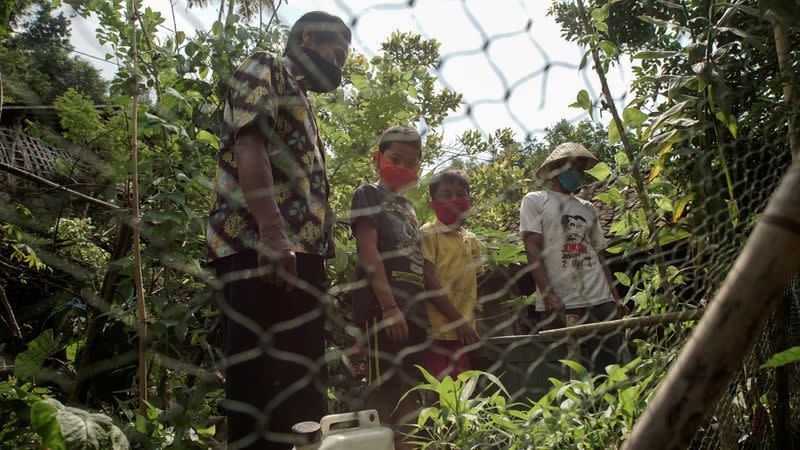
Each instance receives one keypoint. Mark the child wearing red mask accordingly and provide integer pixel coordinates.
(388, 302)
(452, 263)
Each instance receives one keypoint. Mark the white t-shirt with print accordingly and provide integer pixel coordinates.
(572, 237)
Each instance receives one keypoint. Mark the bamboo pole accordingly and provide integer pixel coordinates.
(734, 320)
(39, 180)
(782, 49)
(623, 324)
(141, 310)
(782, 411)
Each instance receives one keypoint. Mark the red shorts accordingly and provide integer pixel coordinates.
(446, 358)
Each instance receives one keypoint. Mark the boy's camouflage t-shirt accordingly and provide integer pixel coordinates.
(264, 92)
(400, 247)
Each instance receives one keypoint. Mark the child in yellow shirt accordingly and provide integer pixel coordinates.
(452, 263)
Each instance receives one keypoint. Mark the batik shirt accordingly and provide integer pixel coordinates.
(265, 92)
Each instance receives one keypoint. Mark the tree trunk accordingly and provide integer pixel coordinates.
(98, 314)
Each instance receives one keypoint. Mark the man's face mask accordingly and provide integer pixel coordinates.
(320, 74)
(571, 180)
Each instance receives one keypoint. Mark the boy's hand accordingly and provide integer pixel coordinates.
(467, 334)
(554, 306)
(396, 326)
(623, 310)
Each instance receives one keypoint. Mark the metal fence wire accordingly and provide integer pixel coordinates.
(668, 209)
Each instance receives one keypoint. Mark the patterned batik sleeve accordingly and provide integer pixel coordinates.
(251, 96)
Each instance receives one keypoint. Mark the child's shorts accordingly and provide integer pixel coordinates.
(446, 358)
(392, 362)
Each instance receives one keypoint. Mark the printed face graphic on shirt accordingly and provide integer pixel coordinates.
(404, 227)
(574, 253)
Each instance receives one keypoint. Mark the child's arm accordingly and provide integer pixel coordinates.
(466, 333)
(367, 240)
(534, 242)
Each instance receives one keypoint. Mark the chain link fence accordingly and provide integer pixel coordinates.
(690, 151)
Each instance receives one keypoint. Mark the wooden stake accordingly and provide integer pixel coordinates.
(732, 323)
(141, 310)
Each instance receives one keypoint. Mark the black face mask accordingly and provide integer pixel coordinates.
(320, 74)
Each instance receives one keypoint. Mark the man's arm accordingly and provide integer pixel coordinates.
(367, 242)
(255, 178)
(534, 243)
(440, 300)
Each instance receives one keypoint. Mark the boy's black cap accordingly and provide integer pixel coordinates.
(400, 133)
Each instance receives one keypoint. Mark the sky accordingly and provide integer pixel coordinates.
(523, 79)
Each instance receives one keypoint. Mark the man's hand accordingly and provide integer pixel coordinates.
(396, 326)
(554, 307)
(467, 334)
(276, 260)
(622, 309)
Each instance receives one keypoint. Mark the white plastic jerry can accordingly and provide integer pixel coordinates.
(360, 430)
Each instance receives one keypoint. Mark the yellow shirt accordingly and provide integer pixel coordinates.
(457, 258)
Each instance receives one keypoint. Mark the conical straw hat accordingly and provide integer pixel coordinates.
(565, 151)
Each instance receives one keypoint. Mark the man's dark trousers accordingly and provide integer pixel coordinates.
(267, 329)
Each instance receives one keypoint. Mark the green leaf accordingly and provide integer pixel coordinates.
(751, 39)
(576, 367)
(72, 351)
(783, 358)
(44, 423)
(608, 47)
(633, 118)
(622, 160)
(582, 101)
(28, 364)
(657, 55)
(599, 14)
(206, 432)
(208, 138)
(584, 59)
(623, 278)
(664, 23)
(613, 133)
(217, 28)
(601, 171)
(77, 428)
(612, 197)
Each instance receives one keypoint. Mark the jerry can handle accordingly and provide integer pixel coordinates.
(360, 419)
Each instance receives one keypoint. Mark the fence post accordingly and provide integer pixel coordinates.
(735, 317)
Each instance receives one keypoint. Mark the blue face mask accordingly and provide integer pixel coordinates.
(571, 180)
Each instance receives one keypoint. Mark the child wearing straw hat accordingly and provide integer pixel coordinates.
(564, 245)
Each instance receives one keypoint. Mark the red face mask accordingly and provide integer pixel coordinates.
(395, 176)
(449, 212)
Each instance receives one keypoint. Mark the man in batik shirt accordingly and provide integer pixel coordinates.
(269, 233)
